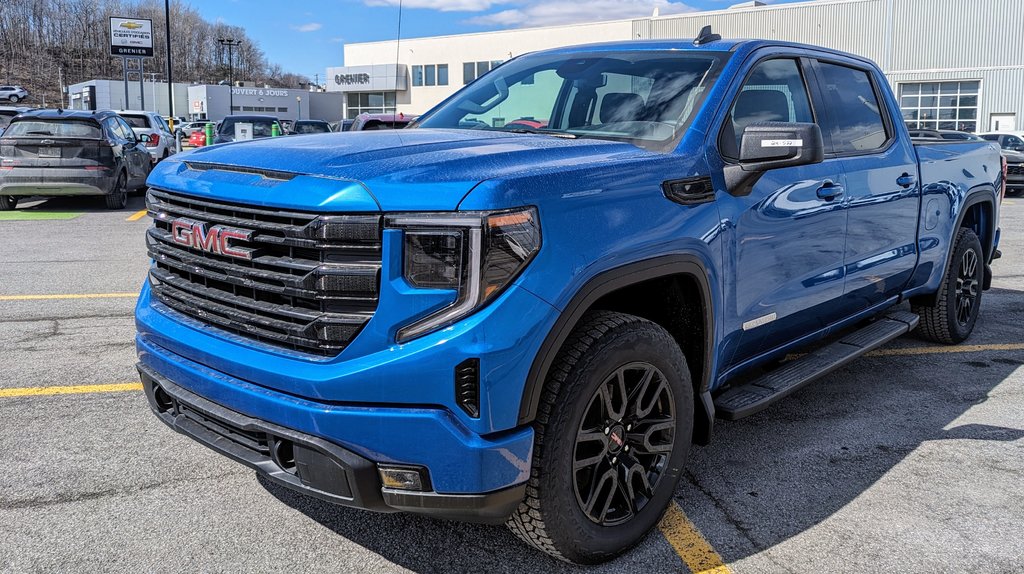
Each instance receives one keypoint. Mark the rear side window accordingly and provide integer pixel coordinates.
(54, 128)
(774, 91)
(854, 112)
(137, 121)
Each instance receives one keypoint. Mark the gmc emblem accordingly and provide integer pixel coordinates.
(216, 239)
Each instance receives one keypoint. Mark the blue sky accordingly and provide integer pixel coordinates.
(306, 36)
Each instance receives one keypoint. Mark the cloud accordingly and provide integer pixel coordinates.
(556, 12)
(336, 40)
(311, 27)
(442, 5)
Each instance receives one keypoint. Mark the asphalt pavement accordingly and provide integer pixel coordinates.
(907, 460)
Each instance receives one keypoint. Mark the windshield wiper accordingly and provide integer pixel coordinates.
(553, 133)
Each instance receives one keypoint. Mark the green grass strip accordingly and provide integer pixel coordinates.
(26, 215)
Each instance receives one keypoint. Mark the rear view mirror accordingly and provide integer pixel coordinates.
(144, 138)
(771, 145)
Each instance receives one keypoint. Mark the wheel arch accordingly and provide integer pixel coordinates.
(608, 283)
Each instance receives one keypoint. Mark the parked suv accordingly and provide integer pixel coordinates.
(160, 141)
(7, 113)
(310, 127)
(1012, 144)
(262, 127)
(13, 94)
(63, 152)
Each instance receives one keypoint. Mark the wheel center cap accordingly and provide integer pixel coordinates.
(616, 439)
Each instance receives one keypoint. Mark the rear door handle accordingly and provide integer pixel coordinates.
(906, 180)
(829, 191)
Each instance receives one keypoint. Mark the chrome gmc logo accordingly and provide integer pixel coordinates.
(216, 239)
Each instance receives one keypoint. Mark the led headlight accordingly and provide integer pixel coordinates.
(477, 254)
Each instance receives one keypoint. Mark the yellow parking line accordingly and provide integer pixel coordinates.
(71, 390)
(690, 544)
(137, 215)
(949, 349)
(68, 296)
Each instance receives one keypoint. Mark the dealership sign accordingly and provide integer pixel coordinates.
(131, 37)
(349, 79)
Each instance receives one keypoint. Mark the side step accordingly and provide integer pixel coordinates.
(757, 395)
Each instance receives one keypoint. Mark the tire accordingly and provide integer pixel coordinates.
(13, 99)
(8, 202)
(118, 197)
(563, 514)
(953, 316)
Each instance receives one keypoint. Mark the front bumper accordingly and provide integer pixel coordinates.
(24, 181)
(1015, 178)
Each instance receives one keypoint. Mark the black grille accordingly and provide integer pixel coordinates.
(311, 284)
(1015, 169)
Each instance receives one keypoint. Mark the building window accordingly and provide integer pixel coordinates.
(940, 105)
(430, 75)
(473, 70)
(468, 72)
(442, 74)
(282, 109)
(417, 75)
(369, 103)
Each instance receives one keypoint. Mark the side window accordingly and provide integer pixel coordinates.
(854, 112)
(1013, 142)
(126, 130)
(774, 91)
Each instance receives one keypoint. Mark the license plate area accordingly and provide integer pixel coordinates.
(49, 152)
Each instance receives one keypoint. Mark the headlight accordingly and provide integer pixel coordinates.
(477, 254)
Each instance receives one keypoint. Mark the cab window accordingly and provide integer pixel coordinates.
(855, 114)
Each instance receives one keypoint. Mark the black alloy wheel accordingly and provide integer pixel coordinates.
(623, 443)
(951, 316)
(967, 287)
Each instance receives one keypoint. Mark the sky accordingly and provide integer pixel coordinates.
(307, 36)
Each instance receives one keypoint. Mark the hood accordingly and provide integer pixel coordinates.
(417, 169)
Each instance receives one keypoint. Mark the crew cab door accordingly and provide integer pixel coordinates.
(882, 192)
(785, 228)
(136, 158)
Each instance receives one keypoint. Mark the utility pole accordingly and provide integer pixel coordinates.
(230, 43)
(170, 79)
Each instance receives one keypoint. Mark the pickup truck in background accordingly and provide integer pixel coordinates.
(478, 319)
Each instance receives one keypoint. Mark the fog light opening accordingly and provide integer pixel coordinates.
(162, 399)
(404, 478)
(283, 452)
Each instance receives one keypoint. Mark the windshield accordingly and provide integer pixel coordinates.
(137, 121)
(310, 128)
(646, 98)
(261, 128)
(54, 128)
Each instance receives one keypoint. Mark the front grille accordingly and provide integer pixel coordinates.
(311, 284)
(1015, 169)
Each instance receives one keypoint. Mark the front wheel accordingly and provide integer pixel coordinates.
(612, 433)
(13, 99)
(8, 202)
(951, 319)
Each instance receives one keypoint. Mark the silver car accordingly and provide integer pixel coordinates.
(13, 94)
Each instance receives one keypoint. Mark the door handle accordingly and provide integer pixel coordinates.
(829, 191)
(906, 180)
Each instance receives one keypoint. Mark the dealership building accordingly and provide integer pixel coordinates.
(954, 64)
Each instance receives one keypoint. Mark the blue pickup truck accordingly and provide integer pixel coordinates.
(528, 305)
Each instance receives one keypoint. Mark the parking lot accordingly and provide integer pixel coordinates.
(908, 460)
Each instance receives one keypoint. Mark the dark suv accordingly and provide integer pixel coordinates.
(261, 126)
(61, 152)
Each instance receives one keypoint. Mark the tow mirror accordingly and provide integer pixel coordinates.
(772, 145)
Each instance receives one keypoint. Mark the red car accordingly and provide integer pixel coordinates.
(197, 139)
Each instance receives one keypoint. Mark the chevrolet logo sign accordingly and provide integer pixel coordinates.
(130, 25)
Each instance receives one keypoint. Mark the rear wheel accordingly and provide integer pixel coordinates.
(118, 197)
(8, 202)
(612, 433)
(951, 319)
(13, 99)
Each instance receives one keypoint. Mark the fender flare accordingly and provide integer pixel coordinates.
(603, 284)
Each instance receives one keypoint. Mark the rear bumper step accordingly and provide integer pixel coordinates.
(757, 395)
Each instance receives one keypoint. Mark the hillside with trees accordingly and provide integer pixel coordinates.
(45, 44)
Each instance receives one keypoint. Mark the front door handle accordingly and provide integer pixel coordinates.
(830, 190)
(906, 180)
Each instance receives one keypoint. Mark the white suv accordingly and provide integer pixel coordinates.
(13, 94)
(159, 140)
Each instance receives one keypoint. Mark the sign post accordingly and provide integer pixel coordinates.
(131, 38)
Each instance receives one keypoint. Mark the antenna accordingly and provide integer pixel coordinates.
(705, 37)
(398, 54)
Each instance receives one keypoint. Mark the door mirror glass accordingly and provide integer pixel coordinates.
(144, 138)
(772, 145)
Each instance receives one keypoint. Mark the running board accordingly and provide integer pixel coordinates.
(757, 395)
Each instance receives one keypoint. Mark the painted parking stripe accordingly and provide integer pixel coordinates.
(69, 390)
(943, 350)
(27, 215)
(689, 543)
(68, 296)
(137, 215)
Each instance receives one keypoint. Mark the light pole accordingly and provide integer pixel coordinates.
(170, 77)
(299, 100)
(230, 43)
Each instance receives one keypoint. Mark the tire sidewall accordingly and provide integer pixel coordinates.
(618, 347)
(119, 195)
(967, 241)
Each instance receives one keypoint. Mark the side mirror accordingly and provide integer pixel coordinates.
(772, 145)
(144, 138)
